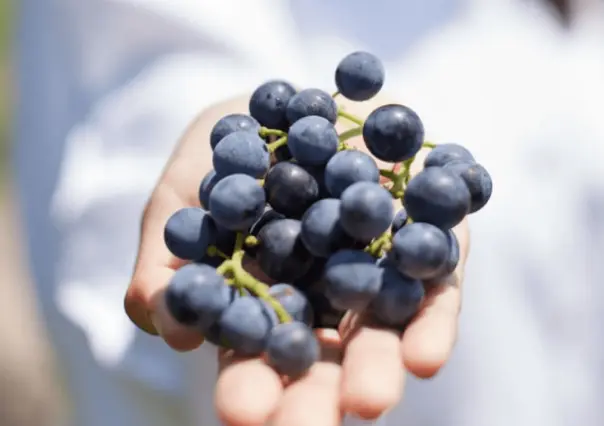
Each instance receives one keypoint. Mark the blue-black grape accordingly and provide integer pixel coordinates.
(400, 219)
(292, 348)
(290, 189)
(189, 232)
(268, 104)
(312, 140)
(326, 316)
(241, 153)
(205, 188)
(246, 324)
(309, 102)
(438, 197)
(393, 133)
(294, 302)
(360, 76)
(230, 124)
(267, 216)
(197, 295)
(352, 279)
(446, 153)
(450, 265)
(477, 180)
(366, 210)
(236, 202)
(318, 172)
(399, 298)
(281, 254)
(420, 250)
(322, 233)
(348, 167)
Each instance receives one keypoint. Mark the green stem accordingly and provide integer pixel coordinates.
(429, 145)
(350, 117)
(251, 241)
(264, 132)
(351, 133)
(273, 146)
(388, 174)
(214, 251)
(335, 94)
(245, 280)
(380, 245)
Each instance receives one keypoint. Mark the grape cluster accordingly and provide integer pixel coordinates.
(317, 217)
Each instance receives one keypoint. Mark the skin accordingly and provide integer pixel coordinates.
(363, 368)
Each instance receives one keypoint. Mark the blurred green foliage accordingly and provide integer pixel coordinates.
(6, 29)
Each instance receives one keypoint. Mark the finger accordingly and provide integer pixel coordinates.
(247, 392)
(313, 400)
(372, 379)
(155, 267)
(429, 339)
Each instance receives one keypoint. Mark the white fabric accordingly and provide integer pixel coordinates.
(107, 87)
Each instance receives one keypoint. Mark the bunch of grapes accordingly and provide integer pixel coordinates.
(318, 219)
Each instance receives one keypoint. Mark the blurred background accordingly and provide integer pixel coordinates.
(29, 393)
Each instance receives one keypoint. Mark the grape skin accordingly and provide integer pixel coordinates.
(312, 102)
(445, 153)
(292, 348)
(189, 232)
(294, 302)
(269, 102)
(360, 76)
(420, 250)
(290, 190)
(400, 219)
(366, 210)
(450, 265)
(393, 133)
(245, 326)
(313, 140)
(322, 233)
(281, 254)
(197, 295)
(399, 297)
(241, 153)
(352, 279)
(230, 124)
(205, 188)
(348, 167)
(236, 202)
(477, 179)
(438, 197)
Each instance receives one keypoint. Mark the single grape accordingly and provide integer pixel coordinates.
(268, 216)
(213, 334)
(230, 124)
(314, 102)
(269, 102)
(206, 186)
(477, 180)
(281, 253)
(450, 265)
(241, 153)
(393, 133)
(292, 348)
(399, 297)
(225, 239)
(312, 140)
(318, 172)
(360, 76)
(237, 201)
(352, 279)
(197, 295)
(348, 167)
(322, 233)
(420, 250)
(290, 190)
(400, 219)
(447, 152)
(438, 197)
(189, 232)
(366, 210)
(245, 326)
(294, 302)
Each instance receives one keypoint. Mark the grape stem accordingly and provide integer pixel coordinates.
(213, 251)
(351, 133)
(335, 95)
(430, 145)
(380, 245)
(265, 131)
(273, 146)
(350, 117)
(244, 280)
(251, 241)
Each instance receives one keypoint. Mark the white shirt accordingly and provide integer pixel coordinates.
(107, 87)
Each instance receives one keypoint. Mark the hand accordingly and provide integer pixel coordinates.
(362, 369)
